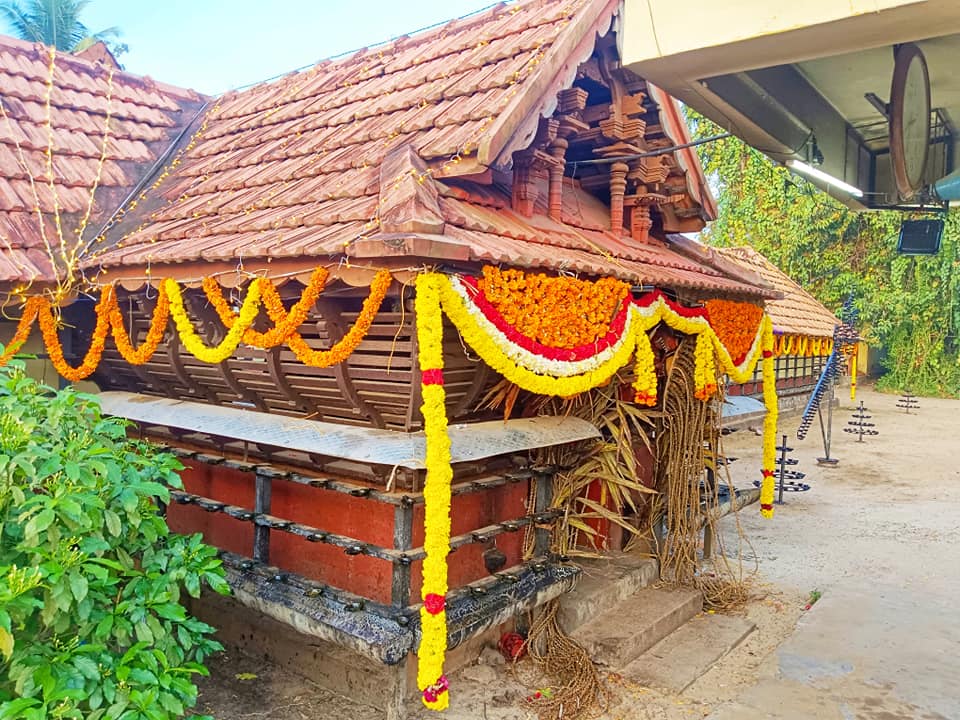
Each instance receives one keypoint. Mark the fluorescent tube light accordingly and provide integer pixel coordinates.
(817, 174)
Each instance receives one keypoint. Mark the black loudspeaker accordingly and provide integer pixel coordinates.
(920, 237)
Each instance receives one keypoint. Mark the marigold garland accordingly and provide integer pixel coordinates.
(802, 345)
(473, 332)
(158, 326)
(645, 374)
(533, 356)
(769, 422)
(469, 287)
(226, 347)
(560, 312)
(24, 326)
(49, 327)
(349, 342)
(433, 619)
(736, 324)
(284, 326)
(705, 367)
(170, 302)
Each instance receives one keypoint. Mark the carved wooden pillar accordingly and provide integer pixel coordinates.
(618, 186)
(640, 222)
(558, 151)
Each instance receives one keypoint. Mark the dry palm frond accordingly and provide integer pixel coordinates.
(608, 464)
(504, 395)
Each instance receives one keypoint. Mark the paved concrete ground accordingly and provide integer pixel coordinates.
(878, 536)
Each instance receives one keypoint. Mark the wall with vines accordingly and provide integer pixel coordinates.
(910, 306)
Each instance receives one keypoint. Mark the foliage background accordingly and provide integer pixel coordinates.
(92, 624)
(909, 306)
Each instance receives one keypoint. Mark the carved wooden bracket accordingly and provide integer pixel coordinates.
(640, 206)
(541, 159)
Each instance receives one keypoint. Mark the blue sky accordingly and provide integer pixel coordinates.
(215, 45)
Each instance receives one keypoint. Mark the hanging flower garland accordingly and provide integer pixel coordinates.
(802, 346)
(533, 356)
(560, 312)
(170, 303)
(349, 342)
(500, 356)
(24, 326)
(49, 328)
(705, 367)
(226, 347)
(769, 422)
(645, 374)
(736, 324)
(433, 618)
(285, 326)
(469, 288)
(158, 326)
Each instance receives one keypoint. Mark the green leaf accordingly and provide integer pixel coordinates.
(113, 522)
(79, 586)
(87, 667)
(15, 709)
(72, 470)
(37, 524)
(6, 643)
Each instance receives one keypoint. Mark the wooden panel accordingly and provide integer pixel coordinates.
(379, 385)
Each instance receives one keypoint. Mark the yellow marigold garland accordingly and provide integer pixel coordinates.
(705, 367)
(193, 343)
(285, 325)
(645, 374)
(802, 345)
(769, 422)
(433, 619)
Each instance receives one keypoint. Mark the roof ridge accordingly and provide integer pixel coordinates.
(402, 43)
(39, 51)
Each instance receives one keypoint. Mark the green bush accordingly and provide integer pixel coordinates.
(91, 625)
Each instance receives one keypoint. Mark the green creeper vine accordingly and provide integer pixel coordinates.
(909, 306)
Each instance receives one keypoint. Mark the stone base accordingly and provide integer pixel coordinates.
(390, 688)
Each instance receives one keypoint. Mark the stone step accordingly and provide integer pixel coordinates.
(677, 661)
(603, 583)
(636, 624)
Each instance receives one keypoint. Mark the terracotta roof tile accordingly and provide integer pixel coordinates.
(798, 312)
(291, 168)
(145, 118)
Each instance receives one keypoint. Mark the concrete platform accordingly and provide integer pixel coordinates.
(634, 625)
(677, 661)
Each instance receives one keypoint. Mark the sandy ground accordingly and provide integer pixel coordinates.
(876, 536)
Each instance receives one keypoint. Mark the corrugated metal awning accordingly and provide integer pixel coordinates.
(474, 441)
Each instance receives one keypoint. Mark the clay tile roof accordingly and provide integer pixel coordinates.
(145, 117)
(797, 312)
(294, 168)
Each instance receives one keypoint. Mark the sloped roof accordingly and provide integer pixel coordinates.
(296, 168)
(145, 117)
(797, 312)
